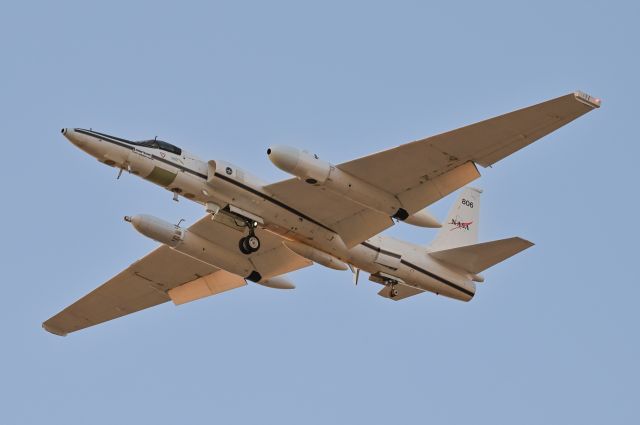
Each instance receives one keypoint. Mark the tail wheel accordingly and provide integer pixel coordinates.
(393, 293)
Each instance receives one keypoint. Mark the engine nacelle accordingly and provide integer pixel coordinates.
(302, 164)
(311, 169)
(423, 218)
(279, 282)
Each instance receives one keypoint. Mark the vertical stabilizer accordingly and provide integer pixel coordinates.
(461, 225)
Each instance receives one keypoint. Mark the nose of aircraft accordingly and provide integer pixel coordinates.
(72, 136)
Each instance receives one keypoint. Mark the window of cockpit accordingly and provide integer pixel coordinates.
(159, 144)
(169, 147)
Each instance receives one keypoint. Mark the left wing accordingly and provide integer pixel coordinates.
(166, 274)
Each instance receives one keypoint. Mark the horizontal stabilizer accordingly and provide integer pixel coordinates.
(478, 257)
(404, 291)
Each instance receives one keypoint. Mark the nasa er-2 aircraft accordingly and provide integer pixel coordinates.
(326, 214)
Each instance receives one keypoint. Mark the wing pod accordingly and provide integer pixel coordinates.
(302, 164)
(423, 218)
(315, 255)
(279, 282)
(193, 245)
(311, 169)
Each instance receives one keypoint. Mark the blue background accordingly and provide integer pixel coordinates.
(551, 336)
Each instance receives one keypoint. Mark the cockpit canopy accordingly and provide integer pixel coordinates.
(159, 144)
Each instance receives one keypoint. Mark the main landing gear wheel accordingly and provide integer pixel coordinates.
(253, 242)
(249, 244)
(241, 244)
(393, 293)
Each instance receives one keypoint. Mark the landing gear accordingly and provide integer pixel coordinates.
(250, 243)
(393, 292)
(243, 248)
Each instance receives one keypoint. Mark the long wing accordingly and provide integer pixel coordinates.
(422, 172)
(141, 285)
(166, 274)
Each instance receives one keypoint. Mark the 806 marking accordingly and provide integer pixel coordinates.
(467, 203)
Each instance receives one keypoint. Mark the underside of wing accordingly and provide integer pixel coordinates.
(273, 258)
(422, 172)
(166, 274)
(485, 143)
(139, 286)
(352, 221)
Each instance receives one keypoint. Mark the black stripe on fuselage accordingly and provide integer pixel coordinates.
(419, 269)
(272, 200)
(130, 145)
(380, 250)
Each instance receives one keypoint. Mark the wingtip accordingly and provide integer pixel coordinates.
(53, 330)
(527, 242)
(592, 101)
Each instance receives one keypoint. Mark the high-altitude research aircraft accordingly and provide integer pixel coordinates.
(326, 214)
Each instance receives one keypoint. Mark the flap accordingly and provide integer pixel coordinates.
(211, 284)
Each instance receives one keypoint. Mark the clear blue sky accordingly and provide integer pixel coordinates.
(551, 336)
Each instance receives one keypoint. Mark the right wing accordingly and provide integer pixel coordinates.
(142, 285)
(422, 172)
(166, 274)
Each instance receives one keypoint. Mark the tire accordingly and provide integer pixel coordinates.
(393, 293)
(253, 243)
(243, 248)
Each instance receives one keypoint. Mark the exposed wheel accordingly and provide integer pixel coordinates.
(393, 293)
(253, 242)
(244, 248)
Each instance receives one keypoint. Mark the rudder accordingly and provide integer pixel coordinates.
(461, 225)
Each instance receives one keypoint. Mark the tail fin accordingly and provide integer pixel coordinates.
(461, 225)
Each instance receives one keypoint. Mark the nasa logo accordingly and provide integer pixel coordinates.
(457, 224)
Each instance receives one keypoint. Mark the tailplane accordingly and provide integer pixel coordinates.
(479, 257)
(461, 225)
